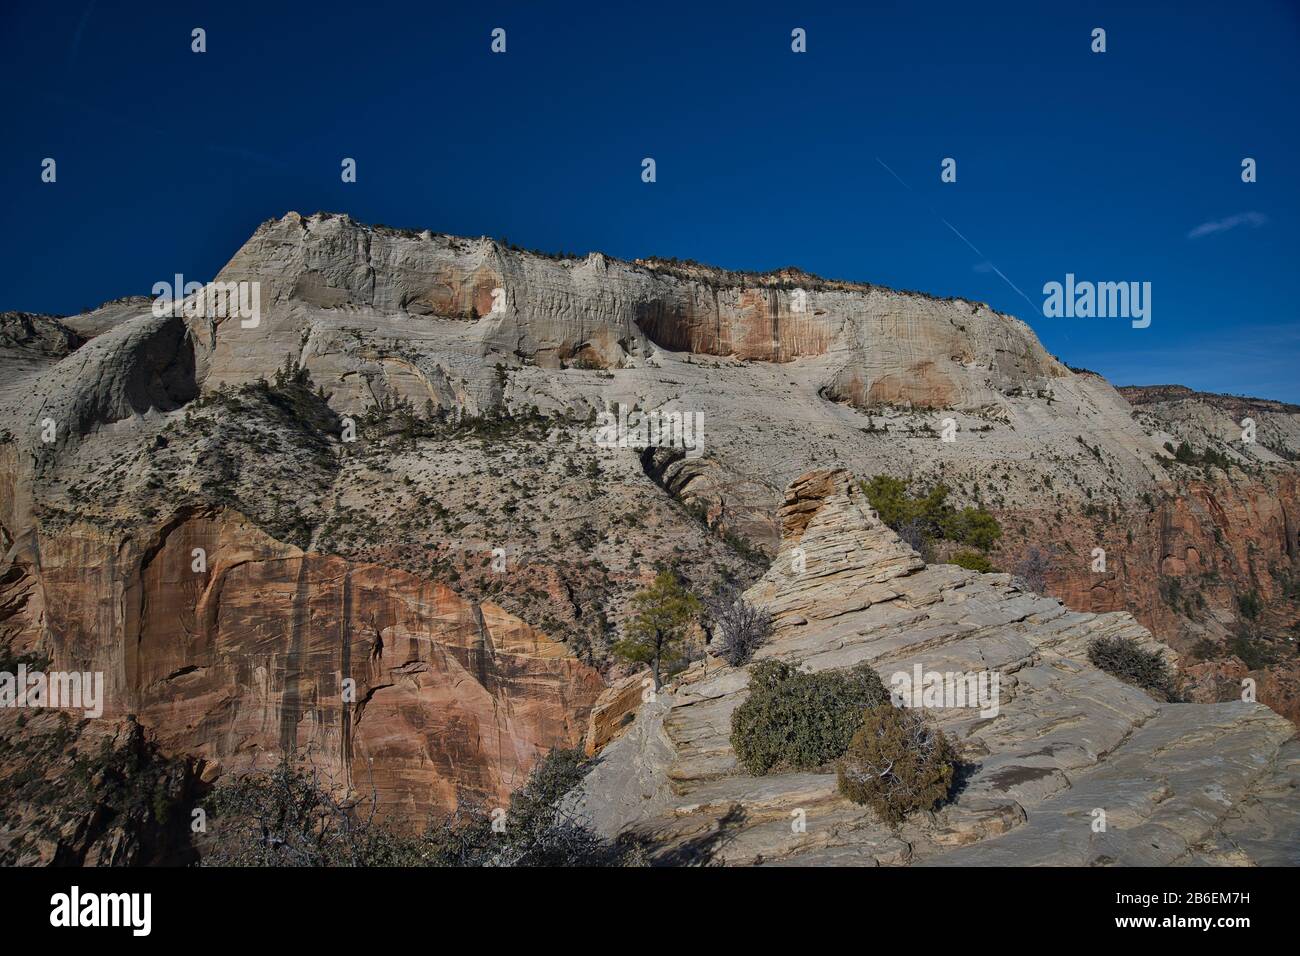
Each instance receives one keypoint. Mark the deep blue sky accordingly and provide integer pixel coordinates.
(1068, 161)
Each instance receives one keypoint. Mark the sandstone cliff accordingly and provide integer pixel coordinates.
(467, 560)
(793, 372)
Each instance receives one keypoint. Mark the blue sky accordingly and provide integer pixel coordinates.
(1122, 166)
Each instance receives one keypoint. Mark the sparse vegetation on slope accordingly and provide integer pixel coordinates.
(1185, 454)
(290, 816)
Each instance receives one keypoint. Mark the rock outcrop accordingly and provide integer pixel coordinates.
(878, 346)
(28, 345)
(90, 793)
(467, 560)
(1068, 745)
(387, 683)
(1206, 419)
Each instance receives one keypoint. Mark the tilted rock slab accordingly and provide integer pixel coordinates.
(1068, 743)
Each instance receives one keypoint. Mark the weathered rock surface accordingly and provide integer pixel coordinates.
(792, 372)
(1204, 418)
(79, 792)
(166, 438)
(1175, 781)
(883, 346)
(388, 683)
(28, 345)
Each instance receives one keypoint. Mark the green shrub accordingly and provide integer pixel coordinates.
(897, 762)
(801, 721)
(1253, 652)
(888, 496)
(976, 527)
(930, 516)
(1249, 605)
(1123, 658)
(972, 561)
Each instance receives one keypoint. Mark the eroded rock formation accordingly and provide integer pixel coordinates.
(1067, 740)
(468, 559)
(387, 682)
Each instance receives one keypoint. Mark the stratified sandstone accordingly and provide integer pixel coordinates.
(471, 577)
(387, 683)
(1067, 741)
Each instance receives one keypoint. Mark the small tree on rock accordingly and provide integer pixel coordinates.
(662, 616)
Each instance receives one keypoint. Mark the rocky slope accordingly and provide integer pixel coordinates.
(28, 345)
(1177, 783)
(791, 372)
(1205, 419)
(79, 792)
(467, 559)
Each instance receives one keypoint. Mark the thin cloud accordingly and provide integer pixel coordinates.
(1252, 219)
(1032, 307)
(76, 37)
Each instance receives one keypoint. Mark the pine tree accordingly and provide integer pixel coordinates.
(655, 632)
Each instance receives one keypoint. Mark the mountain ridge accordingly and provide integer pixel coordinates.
(475, 477)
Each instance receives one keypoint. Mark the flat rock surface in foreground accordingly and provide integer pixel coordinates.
(1075, 768)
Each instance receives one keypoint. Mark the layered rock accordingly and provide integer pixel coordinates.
(236, 650)
(165, 437)
(324, 277)
(1067, 741)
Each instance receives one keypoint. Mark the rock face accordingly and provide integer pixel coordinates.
(1204, 418)
(879, 345)
(1182, 567)
(825, 372)
(467, 560)
(389, 683)
(87, 793)
(1184, 558)
(28, 345)
(450, 700)
(1067, 742)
